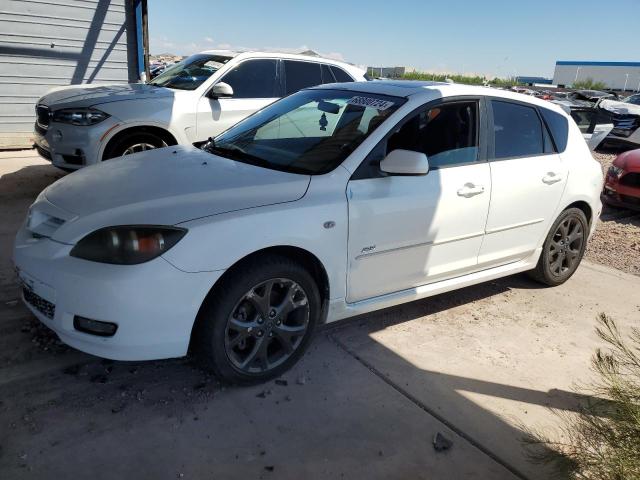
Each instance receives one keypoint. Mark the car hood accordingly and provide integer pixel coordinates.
(620, 108)
(629, 161)
(163, 187)
(88, 95)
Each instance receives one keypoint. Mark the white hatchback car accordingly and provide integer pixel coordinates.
(192, 100)
(335, 201)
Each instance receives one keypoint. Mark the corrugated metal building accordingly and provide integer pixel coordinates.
(50, 43)
(615, 75)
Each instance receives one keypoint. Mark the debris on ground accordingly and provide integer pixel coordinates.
(441, 443)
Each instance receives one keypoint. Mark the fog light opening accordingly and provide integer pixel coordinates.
(94, 327)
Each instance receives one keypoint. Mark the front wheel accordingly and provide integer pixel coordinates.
(133, 143)
(258, 322)
(563, 248)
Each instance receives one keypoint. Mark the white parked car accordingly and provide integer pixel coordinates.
(190, 101)
(333, 202)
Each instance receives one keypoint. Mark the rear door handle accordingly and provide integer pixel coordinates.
(470, 190)
(551, 177)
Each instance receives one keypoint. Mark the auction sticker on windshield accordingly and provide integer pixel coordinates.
(370, 102)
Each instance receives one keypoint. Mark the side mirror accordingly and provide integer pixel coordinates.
(221, 90)
(405, 162)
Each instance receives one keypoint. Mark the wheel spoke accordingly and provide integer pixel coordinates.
(267, 325)
(556, 265)
(289, 302)
(262, 301)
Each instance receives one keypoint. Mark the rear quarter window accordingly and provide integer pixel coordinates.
(341, 75)
(559, 127)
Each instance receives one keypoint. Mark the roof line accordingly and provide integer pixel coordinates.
(598, 64)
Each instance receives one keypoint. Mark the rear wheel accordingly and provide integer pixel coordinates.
(133, 142)
(563, 248)
(258, 322)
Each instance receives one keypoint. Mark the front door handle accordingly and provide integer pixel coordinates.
(551, 177)
(470, 190)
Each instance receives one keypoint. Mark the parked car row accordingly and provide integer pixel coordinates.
(334, 201)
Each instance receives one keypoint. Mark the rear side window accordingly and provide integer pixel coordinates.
(301, 75)
(558, 126)
(517, 130)
(254, 79)
(341, 75)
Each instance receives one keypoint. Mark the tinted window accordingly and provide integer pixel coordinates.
(327, 76)
(517, 130)
(341, 75)
(559, 127)
(254, 79)
(301, 75)
(447, 134)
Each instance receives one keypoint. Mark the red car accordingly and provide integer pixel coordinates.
(622, 184)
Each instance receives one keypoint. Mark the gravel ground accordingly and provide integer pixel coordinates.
(616, 242)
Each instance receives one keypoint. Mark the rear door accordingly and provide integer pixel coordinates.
(256, 84)
(528, 178)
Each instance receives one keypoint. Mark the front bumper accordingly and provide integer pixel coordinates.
(154, 304)
(71, 146)
(621, 196)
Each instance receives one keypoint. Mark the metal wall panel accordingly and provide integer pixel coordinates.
(49, 43)
(612, 76)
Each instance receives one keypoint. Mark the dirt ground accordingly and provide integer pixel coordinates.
(478, 366)
(616, 242)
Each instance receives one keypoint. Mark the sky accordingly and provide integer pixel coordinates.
(486, 37)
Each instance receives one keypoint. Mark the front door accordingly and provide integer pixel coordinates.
(255, 83)
(407, 231)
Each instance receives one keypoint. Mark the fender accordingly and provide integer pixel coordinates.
(180, 136)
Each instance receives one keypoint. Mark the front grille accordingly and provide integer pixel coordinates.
(48, 309)
(630, 180)
(43, 115)
(630, 200)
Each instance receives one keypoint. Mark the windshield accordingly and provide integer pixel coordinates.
(191, 72)
(309, 132)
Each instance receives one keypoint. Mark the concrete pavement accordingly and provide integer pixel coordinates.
(478, 365)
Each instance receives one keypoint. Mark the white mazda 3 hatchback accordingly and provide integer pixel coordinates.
(332, 202)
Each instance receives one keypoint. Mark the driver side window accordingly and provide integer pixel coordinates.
(446, 133)
(254, 79)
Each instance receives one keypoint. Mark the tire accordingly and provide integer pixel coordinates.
(236, 320)
(563, 248)
(132, 143)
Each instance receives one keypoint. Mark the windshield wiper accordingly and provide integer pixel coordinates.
(234, 152)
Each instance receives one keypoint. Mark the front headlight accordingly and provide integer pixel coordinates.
(127, 245)
(615, 171)
(79, 116)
